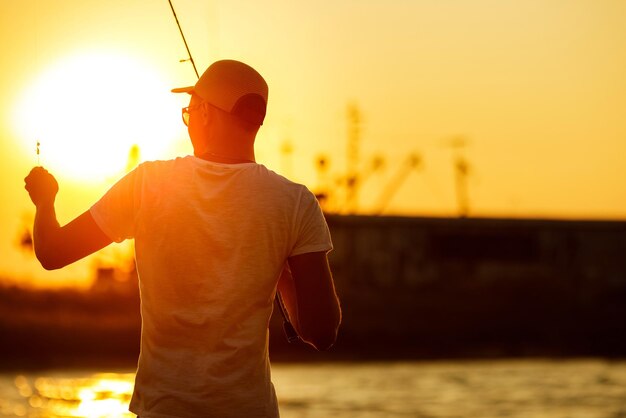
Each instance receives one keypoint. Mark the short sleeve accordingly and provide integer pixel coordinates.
(116, 211)
(312, 234)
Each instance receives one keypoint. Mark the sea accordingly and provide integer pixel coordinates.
(515, 388)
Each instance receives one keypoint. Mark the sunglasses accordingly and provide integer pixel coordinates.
(185, 113)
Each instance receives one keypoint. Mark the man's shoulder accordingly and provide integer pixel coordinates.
(162, 164)
(277, 177)
(160, 168)
(281, 181)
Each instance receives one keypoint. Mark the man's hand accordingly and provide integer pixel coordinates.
(42, 187)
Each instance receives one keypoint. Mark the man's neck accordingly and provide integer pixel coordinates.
(224, 159)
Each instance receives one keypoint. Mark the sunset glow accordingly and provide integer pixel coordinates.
(88, 110)
(535, 89)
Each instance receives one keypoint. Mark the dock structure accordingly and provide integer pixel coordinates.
(410, 288)
(481, 286)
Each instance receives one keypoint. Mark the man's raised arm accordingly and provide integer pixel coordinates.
(57, 246)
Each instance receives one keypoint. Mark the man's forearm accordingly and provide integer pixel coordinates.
(45, 232)
(319, 314)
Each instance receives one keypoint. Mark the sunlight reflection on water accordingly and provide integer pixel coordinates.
(72, 394)
(487, 389)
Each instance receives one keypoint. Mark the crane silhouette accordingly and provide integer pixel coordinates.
(462, 171)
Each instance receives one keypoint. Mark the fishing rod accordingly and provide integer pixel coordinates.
(190, 58)
(290, 332)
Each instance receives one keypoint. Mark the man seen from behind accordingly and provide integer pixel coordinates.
(216, 235)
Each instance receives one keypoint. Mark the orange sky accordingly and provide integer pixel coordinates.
(536, 88)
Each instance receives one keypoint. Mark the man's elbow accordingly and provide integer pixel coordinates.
(49, 260)
(50, 265)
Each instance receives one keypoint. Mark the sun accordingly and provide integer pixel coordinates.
(91, 110)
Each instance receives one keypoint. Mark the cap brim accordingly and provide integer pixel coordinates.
(183, 90)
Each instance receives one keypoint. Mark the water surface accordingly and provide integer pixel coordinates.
(585, 388)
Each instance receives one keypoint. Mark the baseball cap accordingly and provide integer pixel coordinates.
(234, 87)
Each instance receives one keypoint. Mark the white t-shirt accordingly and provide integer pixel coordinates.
(210, 242)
